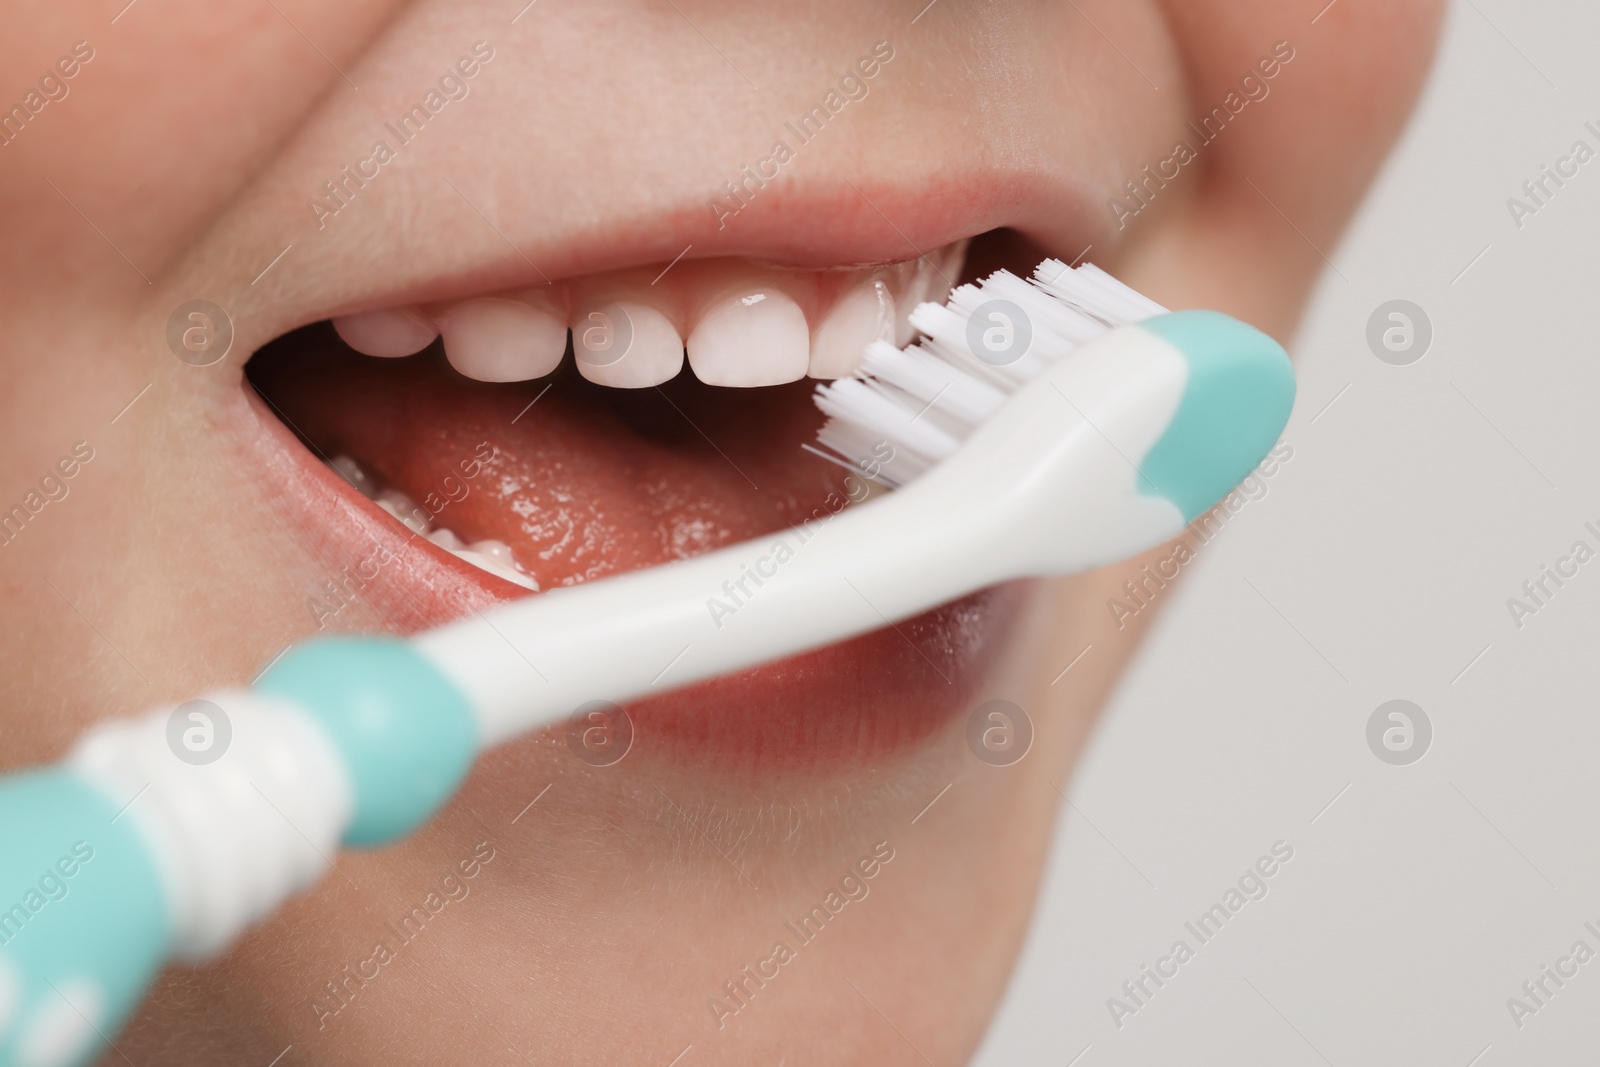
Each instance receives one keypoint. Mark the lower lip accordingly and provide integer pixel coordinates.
(857, 703)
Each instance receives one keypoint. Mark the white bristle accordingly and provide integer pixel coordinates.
(1091, 288)
(924, 400)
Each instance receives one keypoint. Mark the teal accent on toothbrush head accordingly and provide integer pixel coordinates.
(1238, 397)
(1040, 427)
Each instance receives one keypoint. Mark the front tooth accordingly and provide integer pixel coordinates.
(863, 314)
(495, 557)
(402, 507)
(352, 472)
(751, 338)
(948, 262)
(497, 339)
(492, 556)
(390, 332)
(927, 279)
(498, 551)
(495, 565)
(915, 291)
(626, 344)
(446, 539)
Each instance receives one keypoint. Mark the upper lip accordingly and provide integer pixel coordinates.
(477, 240)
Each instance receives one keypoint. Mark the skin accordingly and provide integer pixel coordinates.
(610, 915)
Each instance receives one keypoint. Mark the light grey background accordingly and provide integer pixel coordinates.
(1418, 500)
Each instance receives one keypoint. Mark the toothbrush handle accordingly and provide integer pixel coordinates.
(1111, 452)
(532, 663)
(1046, 489)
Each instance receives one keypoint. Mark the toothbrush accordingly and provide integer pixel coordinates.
(1040, 427)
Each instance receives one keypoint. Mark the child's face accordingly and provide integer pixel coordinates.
(671, 899)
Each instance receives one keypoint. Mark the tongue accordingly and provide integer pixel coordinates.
(587, 481)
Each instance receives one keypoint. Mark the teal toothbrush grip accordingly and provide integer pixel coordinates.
(406, 735)
(83, 919)
(137, 850)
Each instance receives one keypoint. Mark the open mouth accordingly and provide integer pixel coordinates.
(500, 445)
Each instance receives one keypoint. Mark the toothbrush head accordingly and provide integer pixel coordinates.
(1096, 421)
(919, 404)
(1228, 387)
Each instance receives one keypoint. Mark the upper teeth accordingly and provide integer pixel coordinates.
(738, 324)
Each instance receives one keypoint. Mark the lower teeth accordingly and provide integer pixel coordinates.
(489, 555)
